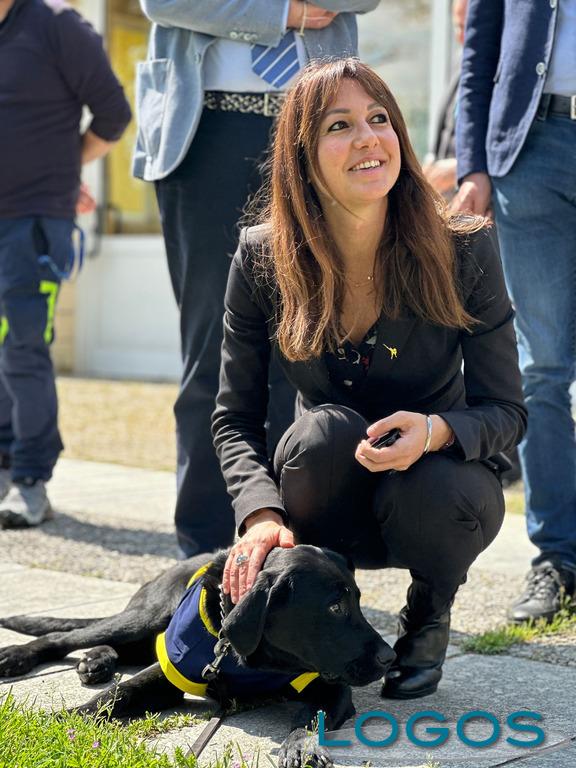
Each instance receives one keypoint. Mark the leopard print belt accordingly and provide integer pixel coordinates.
(267, 104)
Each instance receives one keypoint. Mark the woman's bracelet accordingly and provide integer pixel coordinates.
(428, 435)
(450, 442)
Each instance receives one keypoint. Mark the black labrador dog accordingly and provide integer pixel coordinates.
(301, 616)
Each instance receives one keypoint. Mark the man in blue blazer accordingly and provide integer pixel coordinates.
(516, 150)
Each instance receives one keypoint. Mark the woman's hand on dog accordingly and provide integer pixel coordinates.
(265, 530)
(410, 445)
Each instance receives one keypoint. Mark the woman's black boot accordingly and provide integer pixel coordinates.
(423, 634)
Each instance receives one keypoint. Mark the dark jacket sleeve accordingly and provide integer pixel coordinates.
(495, 419)
(238, 423)
(480, 57)
(85, 67)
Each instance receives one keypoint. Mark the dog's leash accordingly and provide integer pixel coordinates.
(207, 733)
(211, 673)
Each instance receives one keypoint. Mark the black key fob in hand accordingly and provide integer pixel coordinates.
(387, 439)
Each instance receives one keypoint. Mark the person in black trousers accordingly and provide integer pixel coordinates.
(200, 205)
(207, 95)
(373, 297)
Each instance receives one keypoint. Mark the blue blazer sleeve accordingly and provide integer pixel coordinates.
(479, 70)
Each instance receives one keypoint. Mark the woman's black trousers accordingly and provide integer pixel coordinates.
(433, 519)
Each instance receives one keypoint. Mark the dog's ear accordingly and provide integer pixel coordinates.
(244, 624)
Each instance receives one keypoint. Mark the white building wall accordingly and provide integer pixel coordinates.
(126, 320)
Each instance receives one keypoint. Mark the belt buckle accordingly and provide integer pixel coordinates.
(573, 107)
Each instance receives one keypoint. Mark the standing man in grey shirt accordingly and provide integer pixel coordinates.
(207, 96)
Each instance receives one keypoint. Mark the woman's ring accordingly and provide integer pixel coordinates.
(241, 559)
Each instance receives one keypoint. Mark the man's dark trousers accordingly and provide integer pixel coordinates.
(33, 252)
(200, 204)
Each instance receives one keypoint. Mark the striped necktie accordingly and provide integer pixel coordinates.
(276, 64)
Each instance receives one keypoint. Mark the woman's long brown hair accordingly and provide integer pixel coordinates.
(415, 264)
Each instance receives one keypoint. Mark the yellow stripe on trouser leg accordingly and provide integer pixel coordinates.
(50, 290)
(3, 328)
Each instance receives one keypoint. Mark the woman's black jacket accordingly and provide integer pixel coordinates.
(471, 379)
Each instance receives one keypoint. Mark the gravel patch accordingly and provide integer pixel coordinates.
(480, 606)
(93, 546)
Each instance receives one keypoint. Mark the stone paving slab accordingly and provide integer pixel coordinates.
(33, 590)
(500, 685)
(8, 567)
(511, 552)
(564, 758)
(123, 493)
(55, 686)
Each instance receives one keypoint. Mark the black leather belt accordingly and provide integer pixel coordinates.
(551, 103)
(267, 104)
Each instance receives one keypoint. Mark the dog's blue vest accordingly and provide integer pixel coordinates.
(187, 646)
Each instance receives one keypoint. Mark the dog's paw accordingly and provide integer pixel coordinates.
(301, 750)
(97, 665)
(15, 661)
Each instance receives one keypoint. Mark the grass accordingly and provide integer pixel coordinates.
(38, 739)
(121, 422)
(499, 640)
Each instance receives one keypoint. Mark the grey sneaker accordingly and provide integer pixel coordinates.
(548, 585)
(25, 505)
(5, 482)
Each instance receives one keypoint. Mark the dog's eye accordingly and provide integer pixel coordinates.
(337, 609)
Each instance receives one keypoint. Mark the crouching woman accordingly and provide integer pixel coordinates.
(386, 314)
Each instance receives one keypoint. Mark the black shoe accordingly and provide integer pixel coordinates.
(548, 584)
(423, 634)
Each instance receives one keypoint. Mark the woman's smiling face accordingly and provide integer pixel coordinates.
(358, 150)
